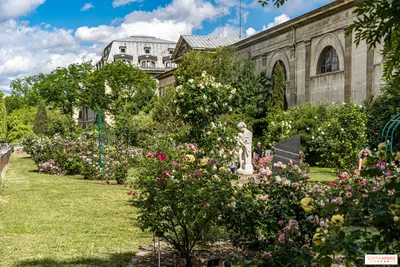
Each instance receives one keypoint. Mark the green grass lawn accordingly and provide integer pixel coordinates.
(64, 220)
(319, 174)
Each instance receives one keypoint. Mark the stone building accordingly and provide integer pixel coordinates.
(321, 62)
(148, 53)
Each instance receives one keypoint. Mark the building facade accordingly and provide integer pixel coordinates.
(321, 61)
(148, 53)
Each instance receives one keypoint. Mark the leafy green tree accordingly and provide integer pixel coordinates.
(27, 88)
(63, 86)
(126, 87)
(40, 125)
(277, 98)
(14, 102)
(20, 123)
(3, 119)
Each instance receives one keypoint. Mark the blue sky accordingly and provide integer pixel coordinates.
(40, 35)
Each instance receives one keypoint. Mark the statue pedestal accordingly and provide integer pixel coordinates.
(247, 170)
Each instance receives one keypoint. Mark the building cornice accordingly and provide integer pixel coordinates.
(315, 15)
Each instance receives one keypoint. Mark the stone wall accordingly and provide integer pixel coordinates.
(299, 43)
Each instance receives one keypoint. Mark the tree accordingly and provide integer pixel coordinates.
(126, 87)
(277, 97)
(40, 125)
(26, 88)
(3, 119)
(63, 86)
(20, 123)
(14, 102)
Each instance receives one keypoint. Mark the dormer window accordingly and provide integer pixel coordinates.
(147, 50)
(122, 49)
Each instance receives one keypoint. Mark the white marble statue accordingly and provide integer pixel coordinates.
(245, 138)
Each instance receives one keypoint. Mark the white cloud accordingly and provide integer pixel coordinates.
(117, 3)
(87, 6)
(16, 8)
(226, 31)
(168, 22)
(250, 31)
(277, 20)
(104, 34)
(193, 12)
(49, 48)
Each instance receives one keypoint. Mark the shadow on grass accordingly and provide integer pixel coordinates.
(116, 260)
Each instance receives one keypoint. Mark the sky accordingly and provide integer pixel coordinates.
(37, 36)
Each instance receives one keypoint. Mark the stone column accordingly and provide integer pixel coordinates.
(370, 73)
(347, 66)
(307, 90)
(292, 84)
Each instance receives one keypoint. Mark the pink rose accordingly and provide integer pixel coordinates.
(281, 238)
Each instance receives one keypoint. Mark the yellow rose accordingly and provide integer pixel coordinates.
(203, 161)
(307, 204)
(317, 239)
(337, 220)
(396, 219)
(190, 158)
(223, 169)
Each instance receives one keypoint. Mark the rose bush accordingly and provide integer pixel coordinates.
(182, 192)
(297, 222)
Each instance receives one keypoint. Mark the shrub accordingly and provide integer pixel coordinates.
(41, 121)
(182, 193)
(331, 136)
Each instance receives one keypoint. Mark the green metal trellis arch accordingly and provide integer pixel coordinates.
(388, 135)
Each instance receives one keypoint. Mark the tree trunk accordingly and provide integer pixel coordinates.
(188, 261)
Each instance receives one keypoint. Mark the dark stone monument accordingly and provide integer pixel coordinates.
(286, 151)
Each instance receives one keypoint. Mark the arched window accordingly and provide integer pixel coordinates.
(329, 60)
(283, 67)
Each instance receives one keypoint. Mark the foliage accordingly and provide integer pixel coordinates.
(277, 98)
(3, 119)
(297, 223)
(40, 125)
(127, 88)
(164, 111)
(182, 194)
(62, 87)
(331, 136)
(20, 123)
(229, 68)
(379, 111)
(339, 139)
(14, 102)
(200, 101)
(135, 130)
(27, 89)
(378, 23)
(277, 3)
(60, 124)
